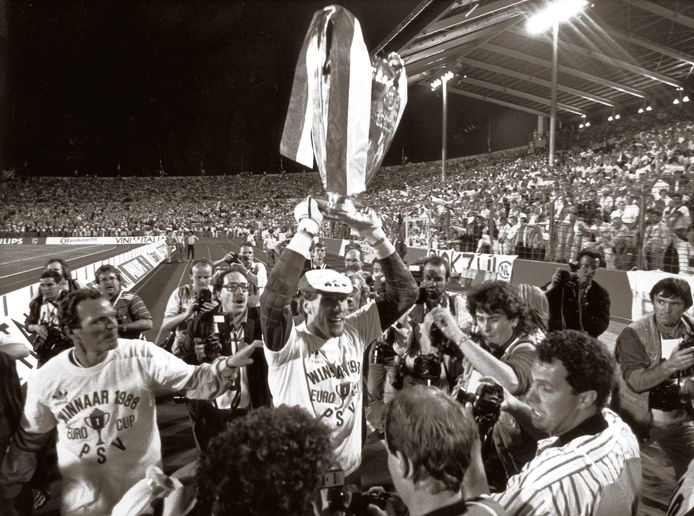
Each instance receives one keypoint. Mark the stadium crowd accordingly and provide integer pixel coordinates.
(498, 400)
(620, 188)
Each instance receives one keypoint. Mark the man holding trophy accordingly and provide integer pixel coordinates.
(344, 110)
(318, 364)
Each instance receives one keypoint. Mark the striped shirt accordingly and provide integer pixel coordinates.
(130, 307)
(573, 479)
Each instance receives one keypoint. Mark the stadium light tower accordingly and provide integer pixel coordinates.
(554, 13)
(443, 82)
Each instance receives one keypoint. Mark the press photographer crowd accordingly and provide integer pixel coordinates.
(495, 400)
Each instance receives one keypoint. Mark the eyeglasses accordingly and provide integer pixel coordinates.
(235, 286)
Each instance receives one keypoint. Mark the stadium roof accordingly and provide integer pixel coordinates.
(617, 56)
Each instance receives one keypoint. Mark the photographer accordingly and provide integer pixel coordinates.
(255, 272)
(503, 348)
(187, 307)
(42, 320)
(576, 301)
(427, 359)
(656, 357)
(590, 464)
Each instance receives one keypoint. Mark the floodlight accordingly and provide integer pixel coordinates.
(685, 98)
(555, 12)
(617, 116)
(649, 108)
(587, 124)
(676, 101)
(444, 78)
(610, 118)
(640, 110)
(580, 126)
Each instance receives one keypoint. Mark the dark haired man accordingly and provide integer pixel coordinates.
(236, 327)
(650, 356)
(590, 464)
(274, 458)
(317, 256)
(100, 396)
(131, 312)
(503, 348)
(318, 364)
(432, 443)
(576, 301)
(42, 320)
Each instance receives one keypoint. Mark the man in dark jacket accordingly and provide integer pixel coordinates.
(576, 302)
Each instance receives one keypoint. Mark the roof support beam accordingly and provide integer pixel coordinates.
(617, 63)
(649, 45)
(426, 12)
(468, 29)
(481, 11)
(522, 94)
(496, 101)
(663, 12)
(536, 80)
(453, 47)
(564, 69)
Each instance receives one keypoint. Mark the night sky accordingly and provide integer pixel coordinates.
(93, 84)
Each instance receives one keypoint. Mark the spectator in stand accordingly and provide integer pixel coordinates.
(131, 313)
(576, 301)
(656, 239)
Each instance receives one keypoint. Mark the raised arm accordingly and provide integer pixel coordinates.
(401, 288)
(275, 311)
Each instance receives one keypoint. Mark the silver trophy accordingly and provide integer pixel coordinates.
(345, 106)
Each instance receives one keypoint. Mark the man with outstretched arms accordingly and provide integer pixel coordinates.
(318, 364)
(100, 395)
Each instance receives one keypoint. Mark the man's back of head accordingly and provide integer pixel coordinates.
(429, 440)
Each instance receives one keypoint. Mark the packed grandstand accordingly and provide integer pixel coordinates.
(611, 192)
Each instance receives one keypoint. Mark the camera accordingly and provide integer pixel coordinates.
(334, 481)
(686, 343)
(213, 348)
(382, 354)
(565, 277)
(443, 343)
(665, 396)
(204, 296)
(232, 257)
(427, 367)
(54, 343)
(486, 405)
